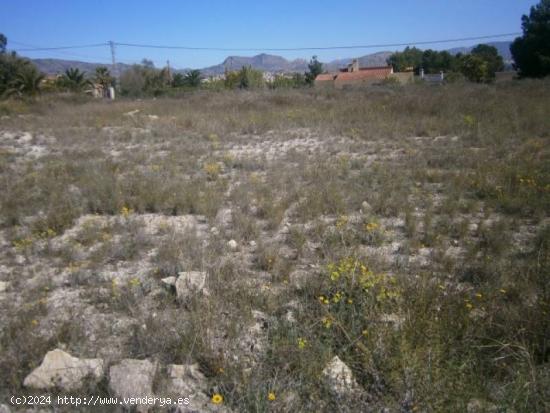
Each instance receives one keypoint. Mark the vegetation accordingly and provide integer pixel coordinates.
(531, 51)
(404, 230)
(73, 80)
(315, 68)
(478, 66)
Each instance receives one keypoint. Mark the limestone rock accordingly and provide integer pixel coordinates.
(60, 369)
(189, 283)
(132, 378)
(339, 378)
(187, 381)
(169, 281)
(232, 245)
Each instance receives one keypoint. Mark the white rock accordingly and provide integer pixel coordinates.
(26, 137)
(189, 283)
(133, 378)
(60, 369)
(232, 244)
(3, 286)
(153, 117)
(169, 281)
(339, 377)
(132, 112)
(366, 207)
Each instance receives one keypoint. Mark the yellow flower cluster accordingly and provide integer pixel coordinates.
(302, 343)
(125, 211)
(212, 170)
(352, 272)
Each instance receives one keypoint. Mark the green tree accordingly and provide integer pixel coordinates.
(315, 68)
(103, 77)
(26, 83)
(3, 43)
(531, 52)
(74, 80)
(491, 56)
(193, 78)
(474, 68)
(409, 58)
(178, 80)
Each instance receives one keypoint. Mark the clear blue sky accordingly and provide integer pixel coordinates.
(247, 24)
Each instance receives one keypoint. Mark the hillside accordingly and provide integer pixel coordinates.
(263, 62)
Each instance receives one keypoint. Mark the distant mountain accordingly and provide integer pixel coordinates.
(55, 66)
(263, 62)
(370, 60)
(503, 49)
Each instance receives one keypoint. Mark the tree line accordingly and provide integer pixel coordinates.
(19, 77)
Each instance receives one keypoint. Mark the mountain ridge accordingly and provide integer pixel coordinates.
(264, 62)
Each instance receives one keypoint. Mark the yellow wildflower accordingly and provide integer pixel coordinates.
(302, 343)
(336, 298)
(327, 322)
(271, 396)
(217, 398)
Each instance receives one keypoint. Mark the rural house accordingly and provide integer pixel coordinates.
(353, 75)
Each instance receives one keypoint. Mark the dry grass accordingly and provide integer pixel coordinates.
(440, 193)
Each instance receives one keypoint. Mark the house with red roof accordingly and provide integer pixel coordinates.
(353, 75)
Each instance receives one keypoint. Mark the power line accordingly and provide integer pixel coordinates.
(84, 46)
(287, 49)
(271, 49)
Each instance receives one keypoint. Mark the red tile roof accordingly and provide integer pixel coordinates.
(366, 73)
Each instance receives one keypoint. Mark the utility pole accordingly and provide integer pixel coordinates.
(113, 57)
(115, 71)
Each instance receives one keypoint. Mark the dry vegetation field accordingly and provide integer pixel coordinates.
(404, 230)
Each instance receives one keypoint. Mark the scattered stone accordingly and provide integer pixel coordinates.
(189, 283)
(215, 231)
(365, 207)
(60, 369)
(232, 245)
(132, 113)
(153, 117)
(169, 281)
(3, 286)
(133, 378)
(339, 378)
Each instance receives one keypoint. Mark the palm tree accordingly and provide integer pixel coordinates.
(193, 78)
(26, 82)
(74, 80)
(103, 77)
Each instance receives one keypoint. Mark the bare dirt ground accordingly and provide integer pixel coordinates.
(261, 254)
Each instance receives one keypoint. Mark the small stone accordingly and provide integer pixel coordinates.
(339, 378)
(60, 369)
(169, 281)
(133, 378)
(232, 245)
(3, 286)
(366, 207)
